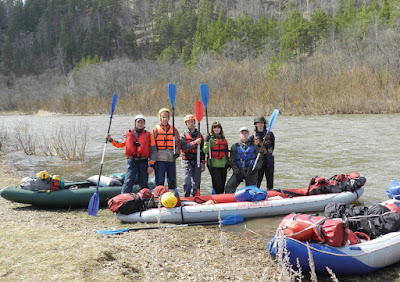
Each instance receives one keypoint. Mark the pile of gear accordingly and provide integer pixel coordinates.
(43, 181)
(128, 203)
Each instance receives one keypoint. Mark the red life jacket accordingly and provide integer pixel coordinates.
(131, 149)
(190, 154)
(220, 149)
(164, 140)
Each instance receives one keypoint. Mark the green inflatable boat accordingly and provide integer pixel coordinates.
(74, 194)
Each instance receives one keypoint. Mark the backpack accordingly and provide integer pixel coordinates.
(382, 224)
(126, 203)
(36, 184)
(336, 184)
(250, 193)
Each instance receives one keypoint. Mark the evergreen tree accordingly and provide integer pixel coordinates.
(296, 39)
(319, 25)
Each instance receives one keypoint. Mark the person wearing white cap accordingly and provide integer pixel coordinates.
(140, 151)
(241, 160)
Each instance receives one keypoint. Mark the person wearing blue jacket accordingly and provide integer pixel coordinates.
(241, 160)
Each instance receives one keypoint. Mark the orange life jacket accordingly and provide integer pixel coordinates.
(220, 149)
(190, 154)
(164, 140)
(131, 146)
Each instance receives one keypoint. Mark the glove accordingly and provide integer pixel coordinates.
(253, 172)
(240, 177)
(228, 166)
(176, 155)
(208, 138)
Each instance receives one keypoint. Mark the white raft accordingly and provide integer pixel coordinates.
(212, 212)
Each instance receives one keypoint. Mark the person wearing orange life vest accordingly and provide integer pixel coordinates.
(163, 135)
(217, 165)
(140, 151)
(190, 139)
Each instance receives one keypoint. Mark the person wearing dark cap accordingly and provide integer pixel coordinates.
(241, 160)
(267, 149)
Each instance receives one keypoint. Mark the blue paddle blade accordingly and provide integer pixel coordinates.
(172, 93)
(94, 204)
(232, 219)
(113, 103)
(112, 232)
(272, 119)
(205, 95)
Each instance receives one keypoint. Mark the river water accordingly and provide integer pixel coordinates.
(306, 146)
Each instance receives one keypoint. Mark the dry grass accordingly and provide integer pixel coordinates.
(63, 245)
(68, 142)
(333, 81)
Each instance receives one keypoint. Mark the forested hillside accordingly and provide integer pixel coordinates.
(283, 45)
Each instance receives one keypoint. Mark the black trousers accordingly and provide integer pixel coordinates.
(218, 177)
(268, 171)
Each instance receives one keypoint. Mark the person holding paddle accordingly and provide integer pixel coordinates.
(164, 135)
(268, 146)
(218, 158)
(190, 139)
(140, 151)
(242, 160)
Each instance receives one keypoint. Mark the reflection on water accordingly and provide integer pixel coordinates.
(305, 147)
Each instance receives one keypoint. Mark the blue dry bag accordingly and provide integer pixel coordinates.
(393, 191)
(250, 193)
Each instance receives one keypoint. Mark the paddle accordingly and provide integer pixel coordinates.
(119, 231)
(270, 124)
(94, 202)
(199, 111)
(229, 220)
(205, 96)
(172, 95)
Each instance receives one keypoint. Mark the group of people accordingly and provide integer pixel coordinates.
(250, 158)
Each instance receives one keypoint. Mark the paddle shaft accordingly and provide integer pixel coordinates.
(112, 232)
(198, 147)
(104, 153)
(272, 121)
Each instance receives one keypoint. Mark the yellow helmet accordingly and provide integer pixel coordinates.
(43, 174)
(169, 200)
(190, 117)
(163, 110)
(56, 177)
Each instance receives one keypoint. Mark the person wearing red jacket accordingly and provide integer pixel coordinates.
(140, 151)
(190, 141)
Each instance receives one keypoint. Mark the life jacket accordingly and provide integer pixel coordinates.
(245, 158)
(320, 229)
(132, 149)
(220, 149)
(164, 140)
(190, 154)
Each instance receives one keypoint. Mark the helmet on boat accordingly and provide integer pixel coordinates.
(189, 117)
(163, 110)
(169, 200)
(140, 117)
(260, 119)
(43, 174)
